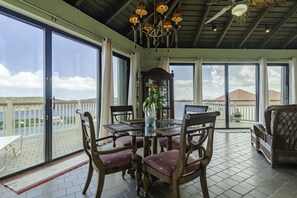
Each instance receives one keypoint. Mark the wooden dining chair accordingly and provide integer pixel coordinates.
(120, 113)
(106, 161)
(177, 167)
(176, 140)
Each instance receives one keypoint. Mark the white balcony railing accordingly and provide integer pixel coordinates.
(246, 108)
(26, 118)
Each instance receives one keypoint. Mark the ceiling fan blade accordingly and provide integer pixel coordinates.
(225, 9)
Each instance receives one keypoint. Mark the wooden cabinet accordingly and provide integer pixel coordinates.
(163, 79)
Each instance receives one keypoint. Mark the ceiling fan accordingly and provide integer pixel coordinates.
(240, 7)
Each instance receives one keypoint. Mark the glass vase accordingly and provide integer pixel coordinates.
(150, 115)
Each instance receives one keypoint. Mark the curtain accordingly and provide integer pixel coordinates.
(164, 63)
(263, 90)
(293, 81)
(198, 82)
(135, 64)
(107, 86)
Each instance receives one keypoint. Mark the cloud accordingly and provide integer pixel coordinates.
(183, 89)
(74, 83)
(4, 72)
(28, 80)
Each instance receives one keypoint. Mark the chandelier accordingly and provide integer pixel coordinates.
(160, 29)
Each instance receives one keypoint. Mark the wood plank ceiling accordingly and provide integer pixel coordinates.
(193, 33)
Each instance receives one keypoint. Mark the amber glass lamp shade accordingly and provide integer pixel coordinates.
(167, 25)
(148, 26)
(134, 19)
(161, 7)
(177, 17)
(140, 9)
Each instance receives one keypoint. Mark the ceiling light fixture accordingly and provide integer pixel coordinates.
(267, 29)
(239, 9)
(214, 27)
(160, 29)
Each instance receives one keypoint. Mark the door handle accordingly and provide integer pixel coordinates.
(53, 103)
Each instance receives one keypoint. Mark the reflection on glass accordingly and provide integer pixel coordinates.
(74, 87)
(21, 101)
(277, 84)
(213, 91)
(242, 95)
(183, 87)
(120, 80)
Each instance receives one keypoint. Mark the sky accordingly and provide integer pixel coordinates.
(74, 68)
(240, 77)
(22, 63)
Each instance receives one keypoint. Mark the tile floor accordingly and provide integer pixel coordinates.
(236, 170)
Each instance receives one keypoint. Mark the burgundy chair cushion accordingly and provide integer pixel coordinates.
(166, 162)
(122, 158)
(127, 140)
(175, 143)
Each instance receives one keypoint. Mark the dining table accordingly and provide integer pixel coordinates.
(166, 128)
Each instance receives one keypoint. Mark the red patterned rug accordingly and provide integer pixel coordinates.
(33, 178)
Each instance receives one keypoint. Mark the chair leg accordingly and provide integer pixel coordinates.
(90, 174)
(101, 178)
(203, 182)
(138, 179)
(175, 189)
(123, 174)
(146, 183)
(162, 149)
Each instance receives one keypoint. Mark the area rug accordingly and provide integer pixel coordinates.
(33, 178)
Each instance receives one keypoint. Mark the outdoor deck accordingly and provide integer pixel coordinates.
(33, 150)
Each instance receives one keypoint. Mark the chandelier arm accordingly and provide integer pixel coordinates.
(161, 29)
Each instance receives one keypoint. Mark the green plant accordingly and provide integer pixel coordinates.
(237, 114)
(154, 98)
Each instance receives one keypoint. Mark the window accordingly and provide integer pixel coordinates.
(183, 87)
(277, 84)
(121, 71)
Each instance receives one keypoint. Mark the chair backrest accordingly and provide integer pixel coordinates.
(202, 125)
(284, 127)
(119, 113)
(268, 114)
(195, 109)
(88, 133)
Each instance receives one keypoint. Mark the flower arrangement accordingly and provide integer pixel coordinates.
(154, 99)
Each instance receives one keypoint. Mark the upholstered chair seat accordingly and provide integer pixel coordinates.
(175, 143)
(166, 162)
(126, 140)
(119, 160)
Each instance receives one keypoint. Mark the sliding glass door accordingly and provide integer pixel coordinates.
(213, 91)
(74, 74)
(21, 95)
(241, 96)
(45, 76)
